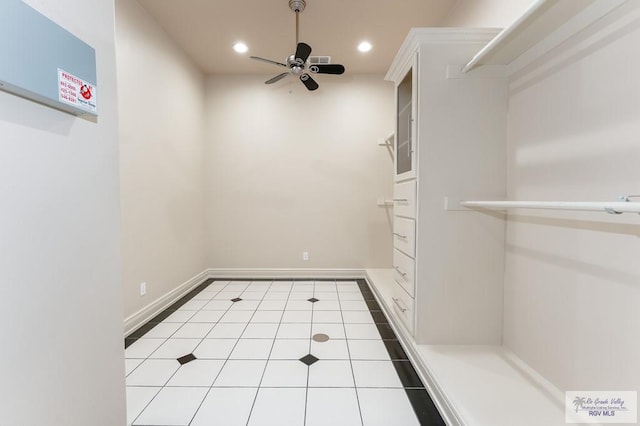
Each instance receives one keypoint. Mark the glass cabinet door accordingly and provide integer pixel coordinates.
(404, 143)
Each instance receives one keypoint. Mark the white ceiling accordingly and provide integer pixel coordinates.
(207, 30)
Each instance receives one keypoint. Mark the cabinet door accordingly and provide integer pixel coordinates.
(405, 164)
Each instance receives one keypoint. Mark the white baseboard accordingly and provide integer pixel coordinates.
(141, 317)
(284, 273)
(446, 410)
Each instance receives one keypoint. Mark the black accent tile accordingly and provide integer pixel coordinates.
(386, 331)
(368, 295)
(162, 316)
(373, 305)
(395, 350)
(407, 374)
(184, 299)
(313, 300)
(424, 407)
(201, 287)
(194, 292)
(363, 285)
(190, 295)
(187, 358)
(142, 330)
(237, 299)
(129, 341)
(309, 359)
(378, 317)
(177, 305)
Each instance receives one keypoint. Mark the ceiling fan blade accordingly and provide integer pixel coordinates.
(303, 51)
(309, 82)
(277, 78)
(269, 61)
(327, 69)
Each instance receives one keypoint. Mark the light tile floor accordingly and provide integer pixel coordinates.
(247, 353)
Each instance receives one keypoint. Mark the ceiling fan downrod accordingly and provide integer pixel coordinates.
(297, 6)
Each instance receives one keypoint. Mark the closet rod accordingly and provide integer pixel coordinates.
(616, 207)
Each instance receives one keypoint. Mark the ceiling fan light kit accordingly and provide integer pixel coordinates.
(298, 63)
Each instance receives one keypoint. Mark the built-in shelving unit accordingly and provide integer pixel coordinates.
(474, 382)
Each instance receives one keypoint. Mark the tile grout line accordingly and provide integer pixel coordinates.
(306, 393)
(230, 352)
(150, 321)
(290, 292)
(414, 406)
(201, 340)
(148, 357)
(224, 288)
(255, 398)
(353, 374)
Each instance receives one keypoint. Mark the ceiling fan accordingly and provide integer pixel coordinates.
(298, 63)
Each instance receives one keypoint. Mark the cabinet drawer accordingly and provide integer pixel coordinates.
(404, 199)
(403, 306)
(404, 271)
(404, 235)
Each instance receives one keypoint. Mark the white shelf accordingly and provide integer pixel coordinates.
(489, 385)
(544, 25)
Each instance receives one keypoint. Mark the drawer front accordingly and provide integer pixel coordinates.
(403, 306)
(404, 271)
(404, 199)
(404, 236)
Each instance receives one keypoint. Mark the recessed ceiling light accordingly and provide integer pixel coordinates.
(365, 46)
(240, 47)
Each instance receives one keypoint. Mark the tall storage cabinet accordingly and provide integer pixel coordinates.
(404, 197)
(450, 144)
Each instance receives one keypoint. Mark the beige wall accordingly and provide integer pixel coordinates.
(161, 154)
(485, 13)
(61, 316)
(291, 171)
(572, 290)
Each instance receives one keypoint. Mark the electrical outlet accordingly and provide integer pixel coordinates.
(143, 289)
(305, 255)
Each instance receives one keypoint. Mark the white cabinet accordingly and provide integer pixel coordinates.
(450, 142)
(405, 195)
